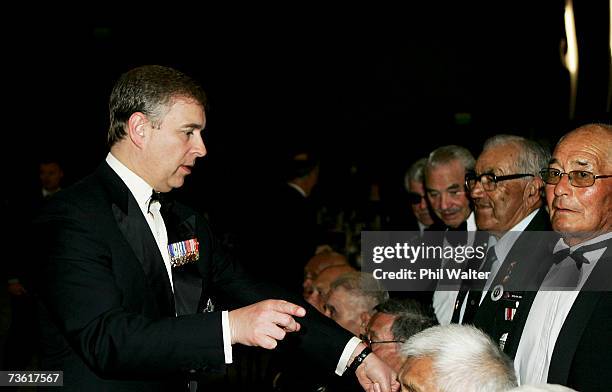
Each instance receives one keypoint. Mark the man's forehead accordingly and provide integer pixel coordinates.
(445, 175)
(587, 146)
(498, 158)
(380, 320)
(580, 155)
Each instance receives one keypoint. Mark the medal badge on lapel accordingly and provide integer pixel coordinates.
(184, 252)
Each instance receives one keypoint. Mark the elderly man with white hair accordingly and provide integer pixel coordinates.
(454, 358)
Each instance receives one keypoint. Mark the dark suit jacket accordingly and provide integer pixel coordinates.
(582, 357)
(108, 311)
(528, 263)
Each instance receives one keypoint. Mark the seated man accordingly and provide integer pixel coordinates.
(455, 358)
(392, 324)
(351, 300)
(316, 264)
(320, 286)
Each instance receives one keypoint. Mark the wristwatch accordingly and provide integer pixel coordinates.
(359, 359)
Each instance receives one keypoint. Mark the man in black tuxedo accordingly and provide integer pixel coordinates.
(564, 337)
(125, 275)
(447, 195)
(506, 190)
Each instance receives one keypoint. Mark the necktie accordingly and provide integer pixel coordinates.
(473, 292)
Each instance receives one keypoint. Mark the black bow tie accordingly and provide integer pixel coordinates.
(155, 197)
(577, 255)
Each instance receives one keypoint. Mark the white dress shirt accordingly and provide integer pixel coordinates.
(501, 248)
(546, 317)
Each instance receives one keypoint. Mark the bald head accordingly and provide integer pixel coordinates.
(323, 282)
(318, 263)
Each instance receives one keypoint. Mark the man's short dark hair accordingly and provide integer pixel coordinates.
(410, 317)
(148, 89)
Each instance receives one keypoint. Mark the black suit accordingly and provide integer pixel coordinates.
(526, 264)
(108, 311)
(582, 358)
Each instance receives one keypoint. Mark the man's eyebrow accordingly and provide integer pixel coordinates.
(582, 162)
(193, 125)
(553, 161)
(453, 187)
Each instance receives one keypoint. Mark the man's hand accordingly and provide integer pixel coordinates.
(263, 323)
(374, 375)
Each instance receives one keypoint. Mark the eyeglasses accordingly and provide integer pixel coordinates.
(369, 342)
(415, 198)
(489, 180)
(577, 178)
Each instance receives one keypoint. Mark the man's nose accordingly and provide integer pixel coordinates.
(444, 201)
(199, 148)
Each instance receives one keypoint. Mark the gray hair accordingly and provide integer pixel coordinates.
(463, 359)
(410, 318)
(415, 172)
(362, 286)
(532, 158)
(447, 154)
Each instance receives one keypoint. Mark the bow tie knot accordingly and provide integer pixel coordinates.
(155, 197)
(577, 255)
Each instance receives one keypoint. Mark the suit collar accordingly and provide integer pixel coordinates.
(139, 188)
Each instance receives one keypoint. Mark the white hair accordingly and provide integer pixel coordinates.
(464, 359)
(542, 388)
(532, 156)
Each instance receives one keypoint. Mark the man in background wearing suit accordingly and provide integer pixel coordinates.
(125, 274)
(564, 337)
(22, 340)
(445, 187)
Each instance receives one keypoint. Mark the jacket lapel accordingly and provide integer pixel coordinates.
(186, 278)
(579, 316)
(137, 232)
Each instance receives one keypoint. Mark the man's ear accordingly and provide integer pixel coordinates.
(136, 128)
(533, 190)
(365, 320)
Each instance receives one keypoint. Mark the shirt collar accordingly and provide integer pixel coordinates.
(562, 245)
(140, 189)
(471, 222)
(506, 242)
(297, 188)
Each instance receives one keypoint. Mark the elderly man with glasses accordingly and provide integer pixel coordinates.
(392, 324)
(562, 333)
(507, 194)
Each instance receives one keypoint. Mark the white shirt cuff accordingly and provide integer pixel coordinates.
(346, 355)
(227, 337)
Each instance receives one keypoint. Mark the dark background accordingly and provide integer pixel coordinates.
(373, 90)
